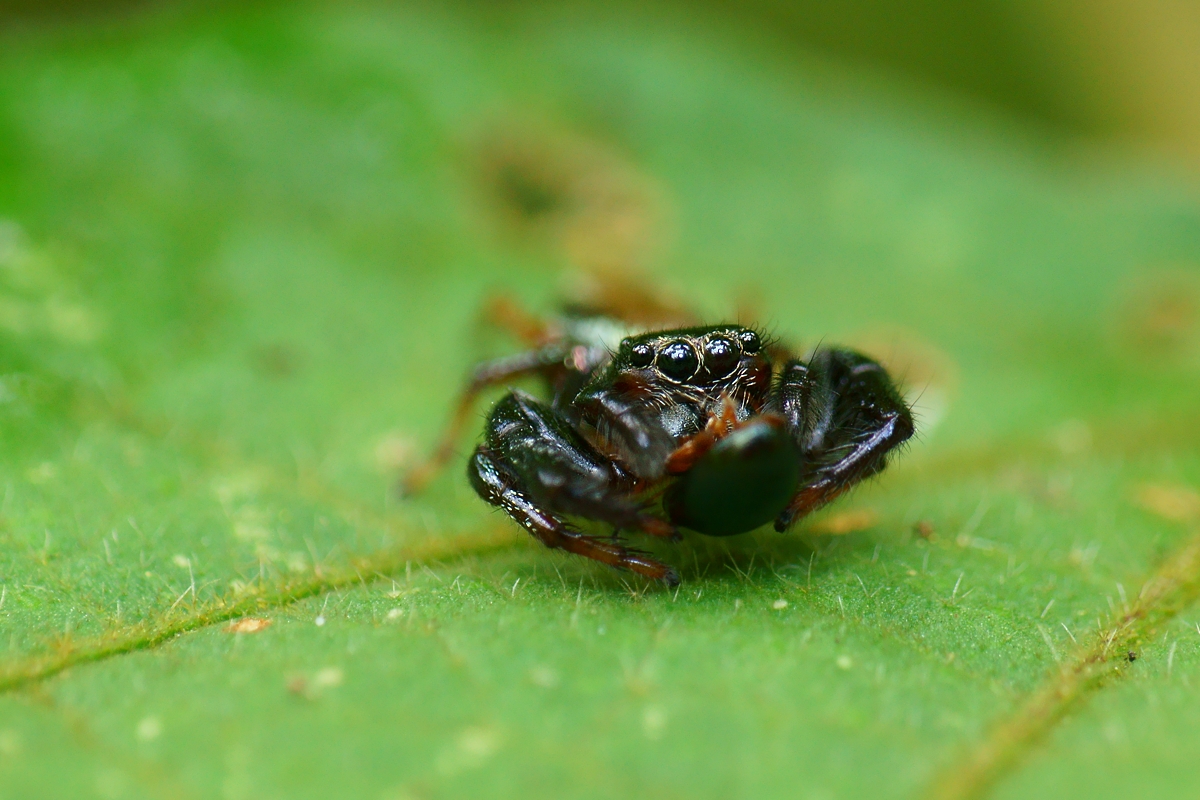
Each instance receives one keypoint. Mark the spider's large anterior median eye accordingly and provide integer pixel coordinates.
(750, 342)
(641, 355)
(678, 361)
(721, 356)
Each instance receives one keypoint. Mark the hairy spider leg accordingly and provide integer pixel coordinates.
(846, 415)
(627, 423)
(536, 467)
(498, 486)
(561, 469)
(545, 361)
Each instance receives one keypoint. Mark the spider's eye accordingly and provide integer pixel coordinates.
(678, 361)
(721, 356)
(641, 355)
(750, 342)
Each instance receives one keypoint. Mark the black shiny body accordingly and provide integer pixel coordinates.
(690, 428)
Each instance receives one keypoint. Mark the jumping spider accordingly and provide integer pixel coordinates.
(700, 422)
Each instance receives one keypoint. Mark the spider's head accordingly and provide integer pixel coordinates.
(693, 361)
(662, 386)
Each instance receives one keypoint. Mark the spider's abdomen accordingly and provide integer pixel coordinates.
(743, 482)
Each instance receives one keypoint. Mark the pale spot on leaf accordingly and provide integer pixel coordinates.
(72, 322)
(10, 744)
(395, 452)
(149, 729)
(328, 678)
(250, 530)
(248, 625)
(471, 750)
(654, 722)
(1072, 437)
(543, 676)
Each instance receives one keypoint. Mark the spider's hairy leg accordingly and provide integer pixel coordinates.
(536, 467)
(545, 361)
(498, 486)
(627, 420)
(846, 416)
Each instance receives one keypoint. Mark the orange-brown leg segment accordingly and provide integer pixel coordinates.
(507, 314)
(718, 427)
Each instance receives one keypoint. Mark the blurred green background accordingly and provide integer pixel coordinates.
(243, 253)
(1111, 71)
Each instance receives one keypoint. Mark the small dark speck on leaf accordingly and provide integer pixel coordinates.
(924, 529)
(1132, 656)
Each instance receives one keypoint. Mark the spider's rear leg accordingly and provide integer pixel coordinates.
(505, 313)
(537, 468)
(847, 416)
(623, 294)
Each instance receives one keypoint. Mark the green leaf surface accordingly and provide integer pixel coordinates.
(242, 257)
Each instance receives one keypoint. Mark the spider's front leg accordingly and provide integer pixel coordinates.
(846, 416)
(537, 468)
(545, 361)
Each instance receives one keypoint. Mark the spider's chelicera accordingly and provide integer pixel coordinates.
(695, 428)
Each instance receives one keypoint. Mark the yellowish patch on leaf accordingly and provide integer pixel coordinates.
(1169, 501)
(248, 625)
(858, 519)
